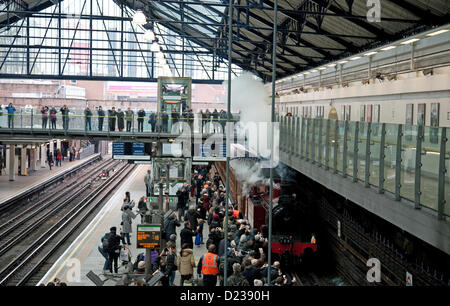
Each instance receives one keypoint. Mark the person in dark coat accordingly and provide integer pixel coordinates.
(113, 248)
(120, 121)
(50, 160)
(153, 120)
(112, 119)
(65, 116)
(186, 235)
(44, 111)
(170, 225)
(88, 118)
(251, 272)
(181, 204)
(221, 249)
(129, 118)
(175, 119)
(101, 117)
(192, 215)
(127, 219)
(215, 119)
(140, 120)
(215, 222)
(171, 263)
(142, 207)
(53, 113)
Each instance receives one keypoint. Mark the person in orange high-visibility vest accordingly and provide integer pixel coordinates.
(208, 266)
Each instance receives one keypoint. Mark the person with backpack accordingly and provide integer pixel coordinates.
(111, 244)
(170, 225)
(104, 254)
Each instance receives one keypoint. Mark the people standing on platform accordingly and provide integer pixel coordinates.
(192, 216)
(120, 121)
(127, 202)
(112, 119)
(65, 116)
(164, 122)
(50, 160)
(44, 112)
(152, 121)
(128, 197)
(186, 263)
(215, 120)
(104, 254)
(129, 118)
(237, 279)
(11, 110)
(170, 225)
(53, 113)
(140, 120)
(111, 244)
(208, 267)
(187, 234)
(148, 182)
(181, 203)
(142, 208)
(127, 219)
(171, 263)
(87, 118)
(58, 158)
(101, 117)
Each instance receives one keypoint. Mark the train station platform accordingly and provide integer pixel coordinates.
(22, 184)
(84, 249)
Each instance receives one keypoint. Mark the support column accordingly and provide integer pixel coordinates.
(43, 155)
(11, 151)
(23, 160)
(33, 159)
(52, 144)
(58, 144)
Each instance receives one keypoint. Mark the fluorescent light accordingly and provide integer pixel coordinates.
(307, 72)
(388, 48)
(371, 53)
(437, 32)
(155, 47)
(331, 65)
(315, 70)
(149, 35)
(342, 62)
(355, 58)
(139, 18)
(410, 41)
(322, 68)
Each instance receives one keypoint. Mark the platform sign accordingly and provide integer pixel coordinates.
(118, 148)
(409, 279)
(208, 154)
(138, 148)
(148, 236)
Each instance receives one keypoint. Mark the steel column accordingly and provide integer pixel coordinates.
(355, 152)
(442, 173)
(398, 162)
(418, 172)
(367, 165)
(344, 150)
(335, 146)
(307, 139)
(320, 149)
(382, 156)
(327, 145)
(313, 144)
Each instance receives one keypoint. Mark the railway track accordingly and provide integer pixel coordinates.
(27, 258)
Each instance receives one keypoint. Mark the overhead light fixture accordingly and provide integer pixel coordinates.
(322, 68)
(355, 58)
(307, 72)
(410, 41)
(315, 70)
(371, 53)
(331, 65)
(155, 47)
(437, 32)
(139, 18)
(149, 35)
(342, 62)
(388, 48)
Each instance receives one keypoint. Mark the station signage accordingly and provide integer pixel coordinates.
(148, 236)
(131, 151)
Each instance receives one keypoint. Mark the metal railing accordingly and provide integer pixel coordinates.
(411, 162)
(77, 120)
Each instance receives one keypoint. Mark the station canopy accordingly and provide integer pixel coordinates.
(193, 34)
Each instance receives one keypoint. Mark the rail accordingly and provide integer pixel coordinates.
(5, 204)
(410, 162)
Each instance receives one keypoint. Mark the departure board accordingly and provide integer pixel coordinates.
(148, 236)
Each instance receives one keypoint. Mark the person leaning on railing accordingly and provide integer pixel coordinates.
(53, 113)
(44, 111)
(129, 118)
(101, 117)
(140, 120)
(152, 120)
(11, 109)
(112, 119)
(88, 116)
(65, 116)
(120, 121)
